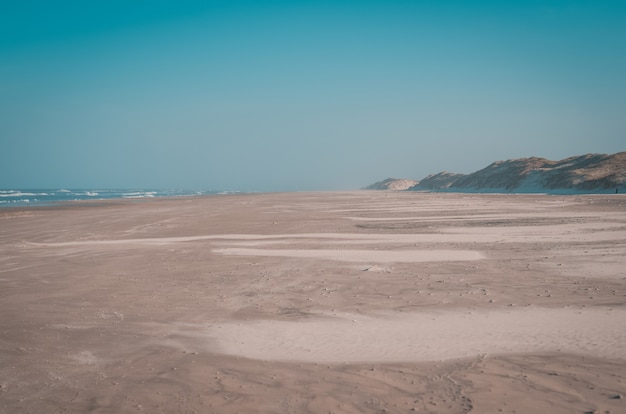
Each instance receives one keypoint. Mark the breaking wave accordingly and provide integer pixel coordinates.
(24, 197)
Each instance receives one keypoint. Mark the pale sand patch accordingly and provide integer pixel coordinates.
(155, 240)
(426, 336)
(594, 231)
(86, 357)
(482, 217)
(369, 256)
(470, 205)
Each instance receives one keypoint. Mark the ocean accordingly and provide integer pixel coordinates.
(30, 197)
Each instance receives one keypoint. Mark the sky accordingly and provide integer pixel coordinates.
(301, 95)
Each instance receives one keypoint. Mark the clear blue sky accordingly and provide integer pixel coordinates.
(301, 95)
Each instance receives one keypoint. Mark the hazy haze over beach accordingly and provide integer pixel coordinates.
(282, 95)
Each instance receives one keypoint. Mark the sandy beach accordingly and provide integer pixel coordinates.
(345, 302)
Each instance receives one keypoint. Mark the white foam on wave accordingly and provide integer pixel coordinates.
(14, 193)
(139, 194)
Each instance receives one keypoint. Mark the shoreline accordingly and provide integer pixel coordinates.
(105, 201)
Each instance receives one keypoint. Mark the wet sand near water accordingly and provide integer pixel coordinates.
(315, 302)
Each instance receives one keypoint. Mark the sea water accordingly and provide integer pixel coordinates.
(26, 197)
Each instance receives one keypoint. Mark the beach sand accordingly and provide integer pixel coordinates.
(347, 302)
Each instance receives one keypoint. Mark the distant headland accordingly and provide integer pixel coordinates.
(590, 173)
